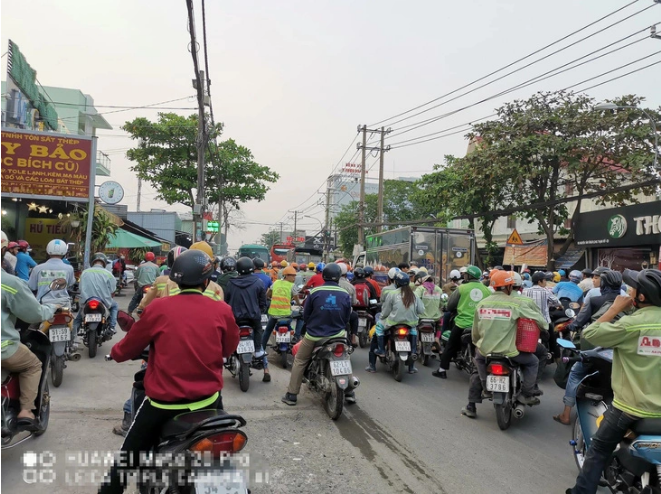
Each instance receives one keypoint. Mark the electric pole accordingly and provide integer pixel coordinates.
(361, 206)
(139, 193)
(382, 151)
(328, 220)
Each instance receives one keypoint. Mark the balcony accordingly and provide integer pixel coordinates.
(102, 164)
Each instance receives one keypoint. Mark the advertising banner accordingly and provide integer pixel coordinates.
(40, 231)
(45, 164)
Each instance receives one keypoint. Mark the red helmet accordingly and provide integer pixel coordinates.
(150, 256)
(12, 245)
(22, 244)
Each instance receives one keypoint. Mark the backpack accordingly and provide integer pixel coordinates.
(362, 294)
(602, 310)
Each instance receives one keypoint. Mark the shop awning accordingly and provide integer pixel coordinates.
(571, 257)
(128, 240)
(532, 254)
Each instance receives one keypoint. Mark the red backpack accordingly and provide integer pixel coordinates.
(362, 294)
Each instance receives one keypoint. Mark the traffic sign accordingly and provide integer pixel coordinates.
(514, 238)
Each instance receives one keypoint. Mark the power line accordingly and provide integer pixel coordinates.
(508, 65)
(620, 76)
(135, 108)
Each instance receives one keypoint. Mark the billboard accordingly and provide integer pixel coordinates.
(57, 166)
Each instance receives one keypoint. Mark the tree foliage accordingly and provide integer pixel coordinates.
(270, 238)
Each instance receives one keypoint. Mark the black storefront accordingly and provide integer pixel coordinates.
(626, 237)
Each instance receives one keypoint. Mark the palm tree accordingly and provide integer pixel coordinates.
(103, 227)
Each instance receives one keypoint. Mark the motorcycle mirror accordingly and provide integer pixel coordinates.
(444, 296)
(570, 313)
(125, 320)
(565, 344)
(58, 284)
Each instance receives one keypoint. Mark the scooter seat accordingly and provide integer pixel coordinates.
(187, 421)
(647, 427)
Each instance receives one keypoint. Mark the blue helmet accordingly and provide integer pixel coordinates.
(369, 271)
(320, 267)
(401, 279)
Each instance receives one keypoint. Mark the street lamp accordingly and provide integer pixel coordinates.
(321, 225)
(653, 124)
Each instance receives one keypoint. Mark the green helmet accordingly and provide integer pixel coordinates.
(474, 272)
(99, 256)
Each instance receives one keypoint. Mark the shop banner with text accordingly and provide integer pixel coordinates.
(43, 164)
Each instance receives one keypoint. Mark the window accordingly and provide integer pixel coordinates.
(511, 222)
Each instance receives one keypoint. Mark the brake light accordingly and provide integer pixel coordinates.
(93, 304)
(145, 289)
(498, 370)
(283, 329)
(221, 444)
(245, 331)
(402, 332)
(338, 351)
(61, 319)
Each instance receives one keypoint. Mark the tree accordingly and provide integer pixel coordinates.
(103, 227)
(166, 157)
(270, 238)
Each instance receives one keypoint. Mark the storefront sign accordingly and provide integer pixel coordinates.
(40, 231)
(628, 226)
(46, 164)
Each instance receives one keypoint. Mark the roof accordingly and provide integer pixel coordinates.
(253, 246)
(123, 239)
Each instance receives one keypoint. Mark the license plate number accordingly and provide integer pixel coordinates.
(427, 337)
(499, 384)
(230, 482)
(341, 367)
(282, 338)
(403, 346)
(93, 318)
(247, 346)
(59, 334)
(265, 318)
(362, 323)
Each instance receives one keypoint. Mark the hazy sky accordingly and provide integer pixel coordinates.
(291, 80)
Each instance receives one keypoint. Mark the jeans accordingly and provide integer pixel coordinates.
(576, 375)
(128, 404)
(372, 356)
(113, 310)
(135, 301)
(299, 328)
(270, 326)
(615, 425)
(527, 361)
(256, 325)
(453, 347)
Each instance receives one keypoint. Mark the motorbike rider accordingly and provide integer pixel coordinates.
(9, 258)
(453, 283)
(609, 283)
(570, 289)
(317, 279)
(259, 272)
(246, 295)
(188, 340)
(351, 290)
(228, 267)
(463, 301)
(43, 274)
(498, 335)
(596, 280)
(361, 284)
(326, 315)
(97, 282)
(385, 292)
(635, 377)
(369, 276)
(24, 262)
(430, 294)
(586, 283)
(145, 275)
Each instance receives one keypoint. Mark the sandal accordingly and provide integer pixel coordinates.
(559, 420)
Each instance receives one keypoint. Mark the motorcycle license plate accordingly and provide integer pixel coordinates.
(362, 323)
(93, 318)
(427, 337)
(403, 346)
(282, 338)
(230, 482)
(265, 318)
(246, 346)
(341, 367)
(59, 334)
(499, 384)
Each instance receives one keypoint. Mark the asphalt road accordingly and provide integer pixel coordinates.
(406, 437)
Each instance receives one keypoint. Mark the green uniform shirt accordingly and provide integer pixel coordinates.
(431, 301)
(494, 324)
(470, 294)
(147, 273)
(636, 344)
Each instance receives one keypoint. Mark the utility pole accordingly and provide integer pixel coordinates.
(139, 193)
(295, 221)
(381, 159)
(328, 221)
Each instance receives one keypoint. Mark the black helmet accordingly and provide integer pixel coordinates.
(191, 268)
(174, 253)
(99, 256)
(611, 279)
(228, 264)
(599, 271)
(647, 282)
(369, 271)
(359, 273)
(245, 265)
(331, 272)
(421, 276)
(587, 272)
(259, 263)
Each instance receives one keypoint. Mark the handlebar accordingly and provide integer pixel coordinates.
(571, 360)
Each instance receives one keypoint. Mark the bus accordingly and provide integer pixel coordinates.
(279, 252)
(253, 251)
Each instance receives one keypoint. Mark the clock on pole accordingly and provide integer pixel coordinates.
(111, 192)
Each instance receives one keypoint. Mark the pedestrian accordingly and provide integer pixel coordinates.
(24, 262)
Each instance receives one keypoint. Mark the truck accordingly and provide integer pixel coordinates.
(279, 252)
(440, 250)
(253, 250)
(305, 255)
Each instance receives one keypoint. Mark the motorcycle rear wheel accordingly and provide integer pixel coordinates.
(362, 339)
(334, 399)
(91, 343)
(580, 448)
(244, 376)
(283, 359)
(44, 411)
(425, 360)
(57, 369)
(504, 415)
(398, 369)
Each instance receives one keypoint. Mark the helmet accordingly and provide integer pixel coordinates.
(611, 279)
(518, 281)
(57, 247)
(599, 271)
(539, 276)
(359, 273)
(22, 244)
(424, 269)
(191, 268)
(204, 247)
(498, 268)
(647, 282)
(556, 276)
(562, 273)
(99, 256)
(421, 277)
(320, 267)
(501, 278)
(122, 256)
(331, 271)
(311, 265)
(587, 272)
(174, 253)
(369, 271)
(463, 269)
(12, 245)
(343, 267)
(245, 265)
(455, 274)
(259, 263)
(526, 271)
(283, 264)
(576, 276)
(150, 256)
(473, 272)
(526, 276)
(393, 272)
(288, 271)
(228, 264)
(5, 240)
(294, 265)
(401, 279)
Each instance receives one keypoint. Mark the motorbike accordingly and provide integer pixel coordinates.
(365, 322)
(240, 361)
(202, 441)
(504, 381)
(40, 345)
(398, 350)
(560, 319)
(284, 334)
(329, 373)
(74, 295)
(636, 463)
(95, 325)
(464, 359)
(427, 331)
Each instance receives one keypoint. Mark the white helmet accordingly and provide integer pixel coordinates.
(518, 281)
(463, 270)
(5, 240)
(343, 268)
(57, 247)
(455, 274)
(392, 273)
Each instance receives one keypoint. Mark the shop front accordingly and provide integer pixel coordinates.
(620, 238)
